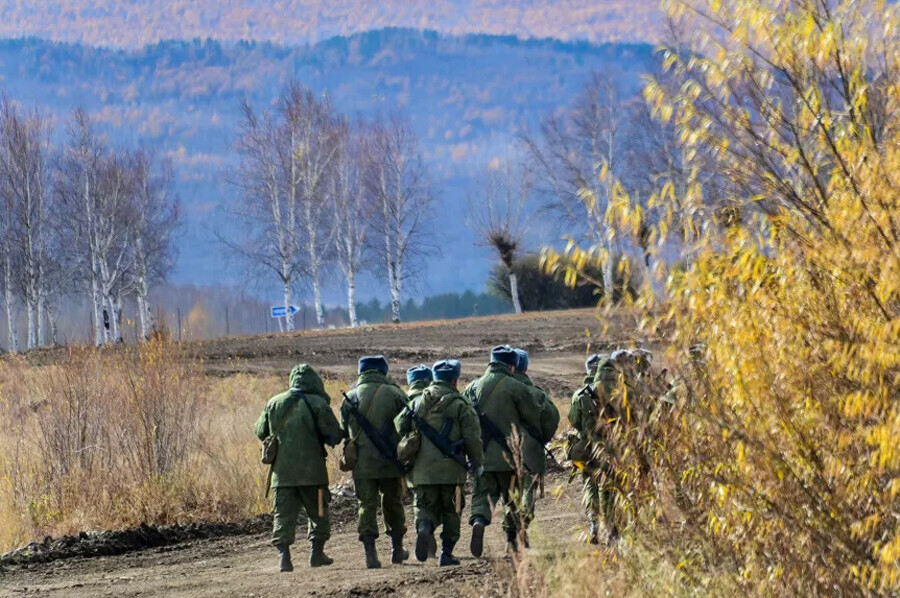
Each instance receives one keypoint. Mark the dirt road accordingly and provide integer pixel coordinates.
(247, 566)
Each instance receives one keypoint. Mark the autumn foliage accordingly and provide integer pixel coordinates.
(778, 471)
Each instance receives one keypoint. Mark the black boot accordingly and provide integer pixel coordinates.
(286, 565)
(612, 533)
(317, 556)
(447, 558)
(398, 553)
(432, 547)
(424, 539)
(512, 541)
(372, 561)
(594, 533)
(477, 546)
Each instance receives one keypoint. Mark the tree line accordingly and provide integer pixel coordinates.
(79, 218)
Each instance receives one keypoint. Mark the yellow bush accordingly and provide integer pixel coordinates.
(780, 466)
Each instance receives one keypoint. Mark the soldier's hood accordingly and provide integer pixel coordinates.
(371, 377)
(305, 378)
(438, 395)
(497, 367)
(419, 385)
(606, 370)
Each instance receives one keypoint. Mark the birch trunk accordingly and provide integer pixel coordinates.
(514, 292)
(394, 282)
(351, 300)
(10, 310)
(51, 319)
(41, 330)
(288, 316)
(30, 314)
(608, 274)
(317, 298)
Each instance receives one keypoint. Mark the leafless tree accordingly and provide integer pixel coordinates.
(156, 212)
(312, 134)
(398, 180)
(570, 157)
(76, 190)
(25, 172)
(266, 217)
(351, 209)
(96, 189)
(498, 214)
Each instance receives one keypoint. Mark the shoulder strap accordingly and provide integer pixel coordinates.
(287, 414)
(480, 400)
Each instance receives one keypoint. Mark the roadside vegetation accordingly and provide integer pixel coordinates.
(106, 440)
(777, 471)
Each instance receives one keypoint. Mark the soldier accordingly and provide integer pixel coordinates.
(303, 423)
(536, 439)
(592, 415)
(439, 473)
(367, 418)
(417, 379)
(503, 404)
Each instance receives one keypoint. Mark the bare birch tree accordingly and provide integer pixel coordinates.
(351, 210)
(311, 145)
(497, 211)
(75, 187)
(571, 156)
(267, 227)
(25, 171)
(157, 211)
(397, 178)
(113, 238)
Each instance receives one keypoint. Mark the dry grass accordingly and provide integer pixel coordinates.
(107, 441)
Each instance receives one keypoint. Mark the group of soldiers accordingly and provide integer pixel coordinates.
(430, 439)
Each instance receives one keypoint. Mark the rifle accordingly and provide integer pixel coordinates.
(490, 431)
(439, 439)
(531, 431)
(385, 448)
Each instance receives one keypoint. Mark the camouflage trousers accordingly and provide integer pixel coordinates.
(492, 487)
(384, 492)
(599, 494)
(289, 501)
(440, 504)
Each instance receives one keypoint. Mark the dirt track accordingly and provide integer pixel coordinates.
(245, 565)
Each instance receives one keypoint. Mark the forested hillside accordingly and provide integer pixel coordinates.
(133, 23)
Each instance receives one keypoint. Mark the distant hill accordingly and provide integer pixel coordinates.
(467, 97)
(134, 23)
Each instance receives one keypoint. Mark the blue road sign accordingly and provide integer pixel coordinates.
(278, 311)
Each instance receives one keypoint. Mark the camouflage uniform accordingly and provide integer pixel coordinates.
(378, 481)
(509, 404)
(438, 479)
(536, 439)
(299, 474)
(591, 414)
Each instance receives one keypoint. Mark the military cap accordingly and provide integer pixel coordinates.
(418, 373)
(622, 356)
(447, 370)
(373, 362)
(644, 354)
(522, 362)
(591, 364)
(505, 354)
